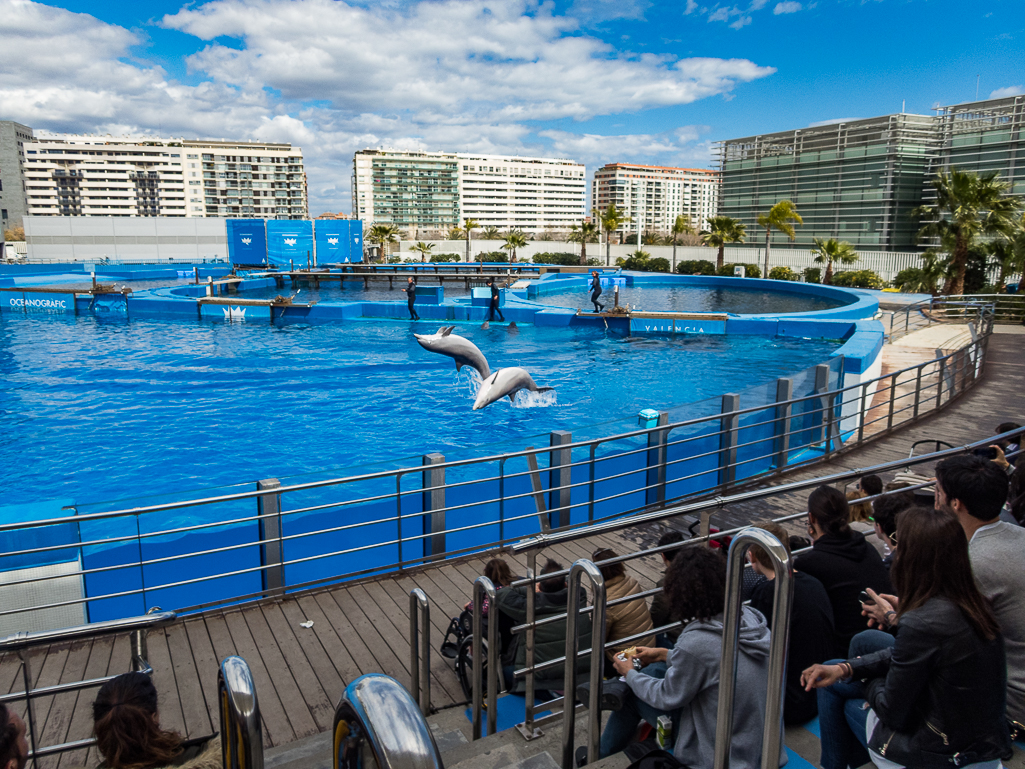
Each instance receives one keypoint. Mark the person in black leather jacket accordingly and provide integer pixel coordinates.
(935, 699)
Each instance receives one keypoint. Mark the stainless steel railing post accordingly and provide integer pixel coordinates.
(241, 729)
(482, 586)
(527, 728)
(569, 677)
(30, 713)
(420, 649)
(772, 731)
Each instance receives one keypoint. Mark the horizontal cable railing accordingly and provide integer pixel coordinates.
(340, 528)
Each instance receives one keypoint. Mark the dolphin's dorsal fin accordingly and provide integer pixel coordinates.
(447, 330)
(512, 397)
(458, 365)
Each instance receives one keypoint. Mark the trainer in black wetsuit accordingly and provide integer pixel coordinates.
(493, 308)
(410, 290)
(596, 292)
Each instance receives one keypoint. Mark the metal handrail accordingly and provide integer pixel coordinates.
(241, 727)
(483, 586)
(378, 723)
(20, 643)
(783, 592)
(420, 649)
(964, 365)
(569, 677)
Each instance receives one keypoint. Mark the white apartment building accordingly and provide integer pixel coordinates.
(656, 195)
(436, 190)
(104, 176)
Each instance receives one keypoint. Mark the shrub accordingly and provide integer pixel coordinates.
(638, 261)
(394, 259)
(446, 258)
(782, 273)
(695, 267)
(912, 277)
(563, 258)
(812, 274)
(751, 270)
(592, 262)
(858, 279)
(658, 264)
(493, 256)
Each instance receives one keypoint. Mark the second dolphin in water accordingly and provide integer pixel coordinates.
(460, 349)
(505, 382)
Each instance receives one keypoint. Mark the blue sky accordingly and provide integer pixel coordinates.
(594, 80)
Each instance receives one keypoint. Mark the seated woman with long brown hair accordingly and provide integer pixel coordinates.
(128, 733)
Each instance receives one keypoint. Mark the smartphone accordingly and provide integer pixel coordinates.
(987, 452)
(865, 598)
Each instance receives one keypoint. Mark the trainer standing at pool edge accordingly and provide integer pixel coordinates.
(410, 290)
(596, 291)
(493, 307)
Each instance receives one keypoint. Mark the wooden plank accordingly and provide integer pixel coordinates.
(55, 729)
(224, 646)
(172, 716)
(319, 663)
(195, 708)
(284, 655)
(327, 635)
(207, 665)
(120, 662)
(277, 725)
(383, 657)
(80, 726)
(50, 673)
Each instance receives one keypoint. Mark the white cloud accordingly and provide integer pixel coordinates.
(692, 5)
(740, 23)
(786, 7)
(437, 74)
(682, 146)
(1011, 90)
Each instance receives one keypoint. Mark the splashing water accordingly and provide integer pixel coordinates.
(525, 399)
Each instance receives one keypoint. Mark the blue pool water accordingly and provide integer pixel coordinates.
(96, 410)
(655, 298)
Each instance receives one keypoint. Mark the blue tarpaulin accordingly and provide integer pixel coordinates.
(339, 240)
(289, 240)
(247, 241)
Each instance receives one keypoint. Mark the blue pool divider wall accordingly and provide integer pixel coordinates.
(247, 241)
(289, 242)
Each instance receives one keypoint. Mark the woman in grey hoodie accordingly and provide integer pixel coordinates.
(695, 585)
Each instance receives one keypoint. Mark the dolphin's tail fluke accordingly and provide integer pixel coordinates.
(544, 389)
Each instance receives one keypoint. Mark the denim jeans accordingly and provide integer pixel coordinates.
(843, 710)
(622, 724)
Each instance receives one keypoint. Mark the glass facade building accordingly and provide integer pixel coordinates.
(855, 181)
(412, 190)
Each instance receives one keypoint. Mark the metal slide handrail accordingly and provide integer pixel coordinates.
(946, 309)
(949, 377)
(783, 593)
(20, 643)
(579, 569)
(420, 649)
(483, 586)
(241, 727)
(377, 723)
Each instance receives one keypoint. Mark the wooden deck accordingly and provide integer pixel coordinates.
(363, 627)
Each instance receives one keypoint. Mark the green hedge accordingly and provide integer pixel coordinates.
(446, 258)
(782, 273)
(812, 274)
(695, 267)
(563, 258)
(858, 279)
(751, 270)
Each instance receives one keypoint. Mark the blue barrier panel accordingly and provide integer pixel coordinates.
(631, 471)
(289, 241)
(339, 240)
(693, 459)
(247, 241)
(117, 580)
(41, 536)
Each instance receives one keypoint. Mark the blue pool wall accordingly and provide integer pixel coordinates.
(694, 464)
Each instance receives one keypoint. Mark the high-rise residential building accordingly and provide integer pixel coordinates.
(13, 205)
(855, 181)
(104, 176)
(655, 195)
(982, 136)
(419, 191)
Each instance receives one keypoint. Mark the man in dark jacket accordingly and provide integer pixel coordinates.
(811, 626)
(843, 562)
(493, 307)
(550, 639)
(410, 290)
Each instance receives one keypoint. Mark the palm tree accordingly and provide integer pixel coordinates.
(779, 218)
(490, 233)
(833, 250)
(515, 239)
(681, 226)
(924, 280)
(469, 225)
(424, 249)
(1008, 251)
(967, 205)
(611, 220)
(722, 230)
(582, 234)
(382, 234)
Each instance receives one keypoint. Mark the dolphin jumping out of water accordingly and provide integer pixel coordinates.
(460, 349)
(505, 382)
